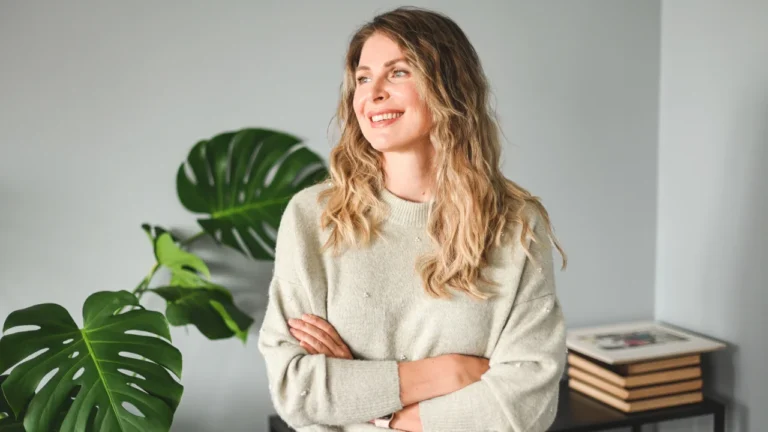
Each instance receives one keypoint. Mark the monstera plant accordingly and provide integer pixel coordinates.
(119, 371)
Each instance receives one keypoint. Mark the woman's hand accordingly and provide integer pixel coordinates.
(318, 336)
(468, 369)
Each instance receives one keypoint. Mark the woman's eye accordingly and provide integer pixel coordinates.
(400, 71)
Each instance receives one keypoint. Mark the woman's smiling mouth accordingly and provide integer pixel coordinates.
(384, 119)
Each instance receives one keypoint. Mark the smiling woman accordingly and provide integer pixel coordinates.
(414, 289)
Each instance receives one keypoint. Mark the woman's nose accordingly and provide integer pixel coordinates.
(379, 91)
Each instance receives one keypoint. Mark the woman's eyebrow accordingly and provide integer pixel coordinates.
(387, 64)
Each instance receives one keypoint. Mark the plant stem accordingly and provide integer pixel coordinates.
(144, 284)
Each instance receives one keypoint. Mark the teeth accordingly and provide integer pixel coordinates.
(387, 116)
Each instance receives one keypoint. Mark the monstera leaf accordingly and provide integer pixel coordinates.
(193, 299)
(8, 420)
(184, 266)
(244, 180)
(211, 310)
(96, 378)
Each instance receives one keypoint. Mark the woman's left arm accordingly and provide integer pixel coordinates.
(520, 390)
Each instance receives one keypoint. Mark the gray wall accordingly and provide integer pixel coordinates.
(713, 192)
(100, 102)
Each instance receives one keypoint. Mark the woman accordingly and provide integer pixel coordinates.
(414, 290)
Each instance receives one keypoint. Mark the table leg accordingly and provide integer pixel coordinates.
(719, 419)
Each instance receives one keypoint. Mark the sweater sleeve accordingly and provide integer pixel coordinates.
(315, 389)
(520, 390)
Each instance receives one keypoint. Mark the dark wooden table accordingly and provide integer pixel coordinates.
(579, 413)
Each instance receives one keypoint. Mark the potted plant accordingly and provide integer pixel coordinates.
(119, 371)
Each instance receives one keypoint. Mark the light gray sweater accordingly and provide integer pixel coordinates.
(375, 300)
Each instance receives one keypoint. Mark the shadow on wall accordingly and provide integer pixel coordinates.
(188, 425)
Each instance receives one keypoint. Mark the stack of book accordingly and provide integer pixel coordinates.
(637, 366)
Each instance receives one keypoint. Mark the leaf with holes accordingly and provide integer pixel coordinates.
(210, 310)
(116, 367)
(244, 180)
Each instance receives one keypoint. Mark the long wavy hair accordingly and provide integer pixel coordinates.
(473, 201)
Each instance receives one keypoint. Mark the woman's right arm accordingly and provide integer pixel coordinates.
(316, 389)
(419, 380)
(309, 389)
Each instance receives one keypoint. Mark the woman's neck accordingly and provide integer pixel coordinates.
(409, 174)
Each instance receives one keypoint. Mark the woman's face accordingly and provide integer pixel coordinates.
(387, 104)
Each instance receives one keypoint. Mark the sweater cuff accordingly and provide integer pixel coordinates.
(461, 410)
(364, 386)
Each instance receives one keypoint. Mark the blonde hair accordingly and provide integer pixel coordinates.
(473, 201)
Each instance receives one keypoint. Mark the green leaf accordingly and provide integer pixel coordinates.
(185, 267)
(155, 231)
(97, 365)
(170, 255)
(8, 420)
(232, 182)
(211, 310)
(235, 319)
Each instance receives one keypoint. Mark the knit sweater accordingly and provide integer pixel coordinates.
(374, 298)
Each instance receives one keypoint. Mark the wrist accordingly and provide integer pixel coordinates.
(407, 419)
(397, 421)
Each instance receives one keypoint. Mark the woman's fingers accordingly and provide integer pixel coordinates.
(308, 348)
(317, 334)
(323, 339)
(311, 341)
(324, 326)
(330, 330)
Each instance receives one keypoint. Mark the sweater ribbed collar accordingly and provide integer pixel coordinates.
(404, 212)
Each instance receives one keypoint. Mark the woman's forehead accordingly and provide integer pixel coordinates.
(379, 50)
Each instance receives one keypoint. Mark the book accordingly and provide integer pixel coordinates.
(636, 380)
(637, 405)
(657, 365)
(628, 394)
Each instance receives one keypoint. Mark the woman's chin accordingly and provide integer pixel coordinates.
(385, 146)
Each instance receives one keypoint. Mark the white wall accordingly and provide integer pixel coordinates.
(100, 102)
(713, 192)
